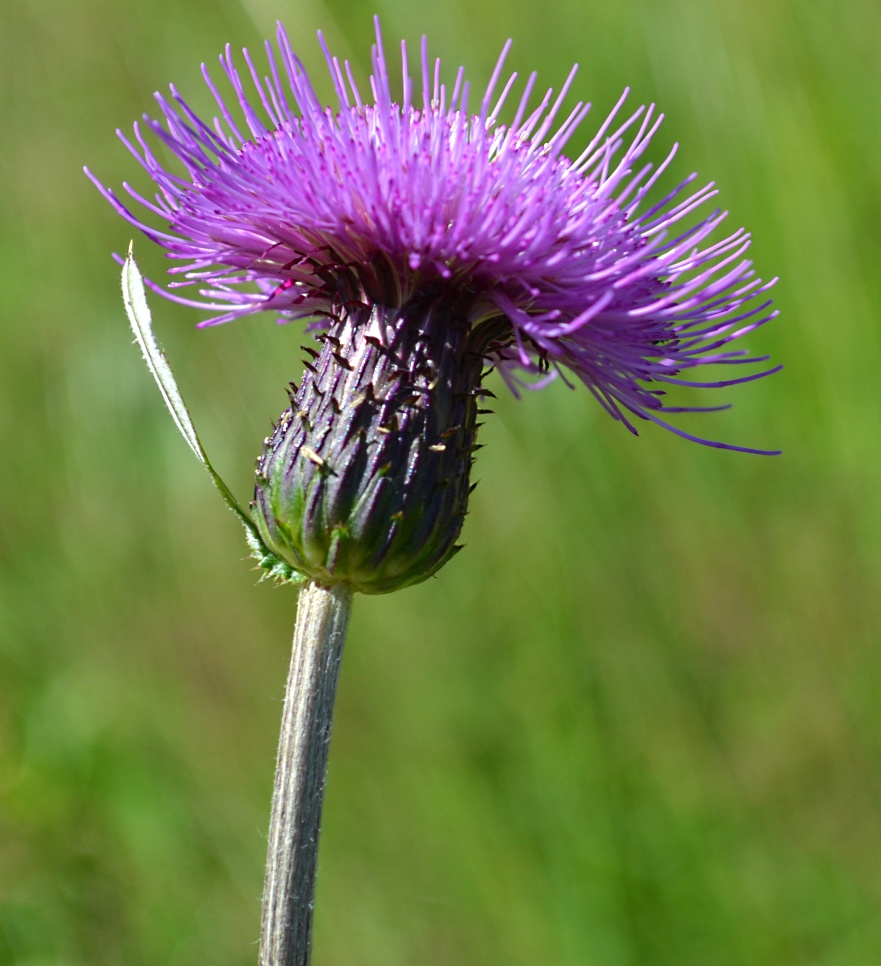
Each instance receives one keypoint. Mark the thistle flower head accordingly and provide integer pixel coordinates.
(383, 213)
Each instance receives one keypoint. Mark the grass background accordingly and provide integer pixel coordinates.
(635, 723)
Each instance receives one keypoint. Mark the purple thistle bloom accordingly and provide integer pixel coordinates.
(424, 241)
(378, 200)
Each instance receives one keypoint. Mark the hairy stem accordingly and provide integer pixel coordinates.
(289, 886)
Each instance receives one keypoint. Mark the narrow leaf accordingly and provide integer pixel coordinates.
(142, 325)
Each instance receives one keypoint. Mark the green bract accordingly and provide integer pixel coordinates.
(365, 480)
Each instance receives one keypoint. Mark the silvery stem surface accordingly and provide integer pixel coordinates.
(289, 886)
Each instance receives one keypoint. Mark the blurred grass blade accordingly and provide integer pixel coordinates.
(139, 316)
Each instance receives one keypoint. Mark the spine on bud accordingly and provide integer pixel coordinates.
(365, 480)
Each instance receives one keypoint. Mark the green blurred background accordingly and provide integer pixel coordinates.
(637, 721)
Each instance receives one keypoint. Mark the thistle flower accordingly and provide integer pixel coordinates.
(424, 239)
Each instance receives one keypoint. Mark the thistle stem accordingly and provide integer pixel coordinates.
(289, 885)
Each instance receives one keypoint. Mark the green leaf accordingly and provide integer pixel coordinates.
(142, 325)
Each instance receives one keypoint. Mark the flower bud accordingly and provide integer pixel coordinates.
(365, 479)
